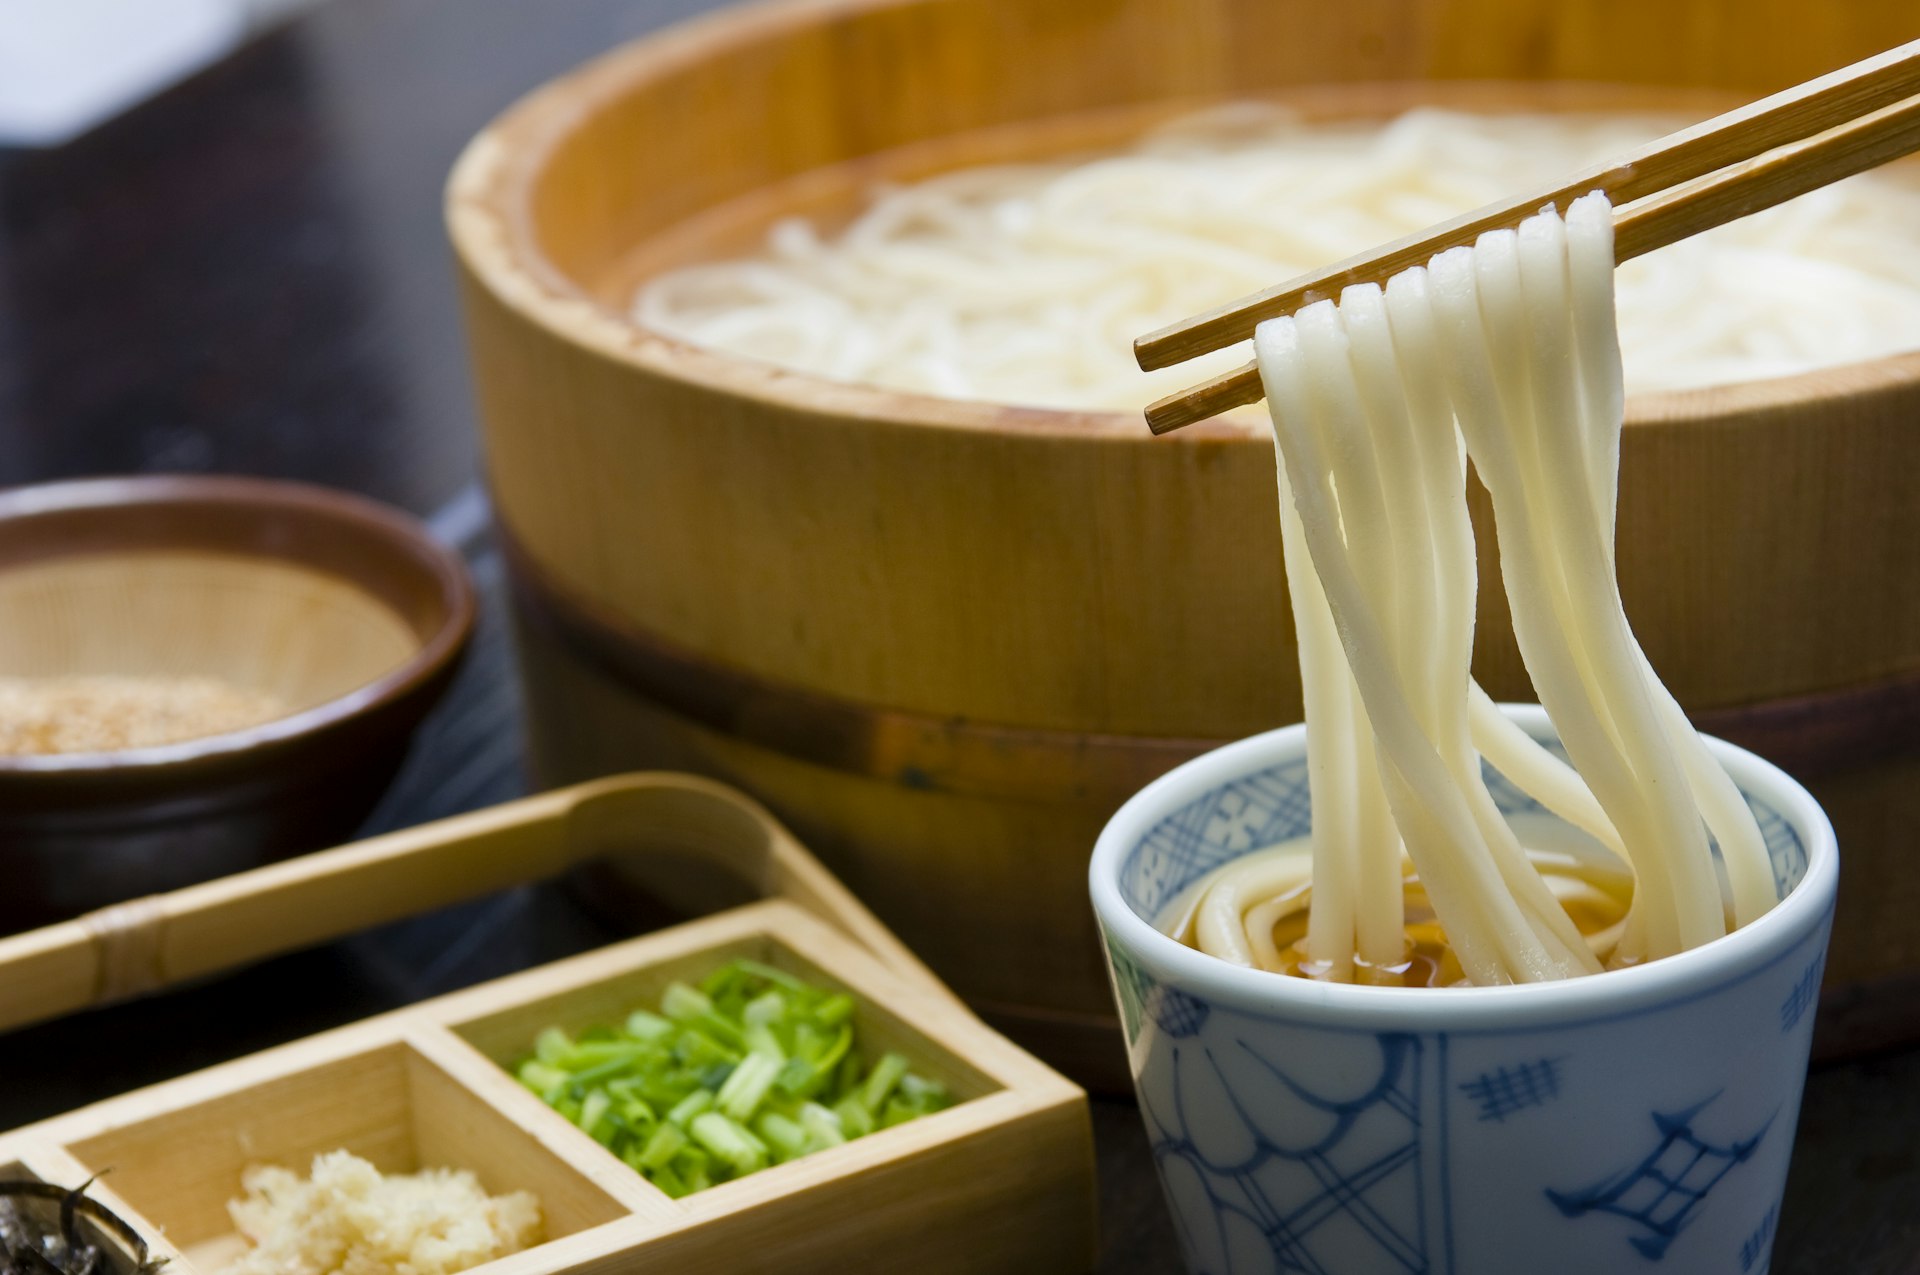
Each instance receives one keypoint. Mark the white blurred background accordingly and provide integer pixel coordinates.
(67, 65)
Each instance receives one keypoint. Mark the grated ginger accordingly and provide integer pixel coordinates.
(351, 1219)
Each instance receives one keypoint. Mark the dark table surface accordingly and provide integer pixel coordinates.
(248, 275)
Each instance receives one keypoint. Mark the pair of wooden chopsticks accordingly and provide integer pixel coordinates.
(1762, 154)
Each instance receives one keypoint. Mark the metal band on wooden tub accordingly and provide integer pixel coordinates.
(1817, 733)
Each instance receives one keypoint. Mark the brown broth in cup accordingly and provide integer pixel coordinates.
(1594, 898)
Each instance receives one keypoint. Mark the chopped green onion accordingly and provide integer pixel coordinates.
(855, 1120)
(835, 1009)
(846, 1077)
(747, 1087)
(762, 1041)
(689, 1107)
(787, 1138)
(593, 1112)
(880, 1081)
(740, 1149)
(644, 1026)
(750, 1068)
(605, 1071)
(540, 1077)
(769, 1007)
(684, 1004)
(600, 1052)
(695, 1171)
(767, 973)
(822, 1126)
(665, 1143)
(552, 1045)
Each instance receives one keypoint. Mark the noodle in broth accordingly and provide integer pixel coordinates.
(1505, 352)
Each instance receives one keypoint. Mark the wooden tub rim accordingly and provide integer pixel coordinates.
(489, 223)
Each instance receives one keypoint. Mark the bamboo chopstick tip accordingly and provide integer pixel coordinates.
(1150, 352)
(1177, 411)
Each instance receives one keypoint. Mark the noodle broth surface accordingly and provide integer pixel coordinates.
(1595, 894)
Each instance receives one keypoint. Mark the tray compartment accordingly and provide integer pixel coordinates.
(1000, 1183)
(997, 1182)
(604, 987)
(387, 1103)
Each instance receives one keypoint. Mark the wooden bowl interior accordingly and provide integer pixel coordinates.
(687, 150)
(507, 1035)
(832, 196)
(297, 634)
(295, 592)
(389, 1105)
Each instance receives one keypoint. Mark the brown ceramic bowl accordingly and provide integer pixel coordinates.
(346, 612)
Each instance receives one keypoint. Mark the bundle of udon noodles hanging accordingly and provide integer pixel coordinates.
(1507, 353)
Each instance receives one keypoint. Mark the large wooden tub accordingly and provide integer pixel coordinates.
(944, 640)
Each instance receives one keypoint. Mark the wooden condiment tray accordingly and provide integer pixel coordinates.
(1000, 1181)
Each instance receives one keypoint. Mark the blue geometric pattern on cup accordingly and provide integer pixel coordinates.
(1758, 1247)
(1251, 1195)
(1666, 1189)
(1373, 1161)
(1131, 984)
(1174, 1012)
(1506, 1090)
(1784, 847)
(1802, 996)
(1258, 810)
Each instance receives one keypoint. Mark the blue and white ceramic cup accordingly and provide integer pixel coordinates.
(1637, 1120)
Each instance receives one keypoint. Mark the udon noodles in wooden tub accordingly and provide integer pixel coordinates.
(946, 636)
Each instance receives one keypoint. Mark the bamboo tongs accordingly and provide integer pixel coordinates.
(1762, 154)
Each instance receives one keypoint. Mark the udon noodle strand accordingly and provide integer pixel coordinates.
(1356, 851)
(1551, 464)
(1510, 348)
(1219, 923)
(1537, 772)
(1499, 932)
